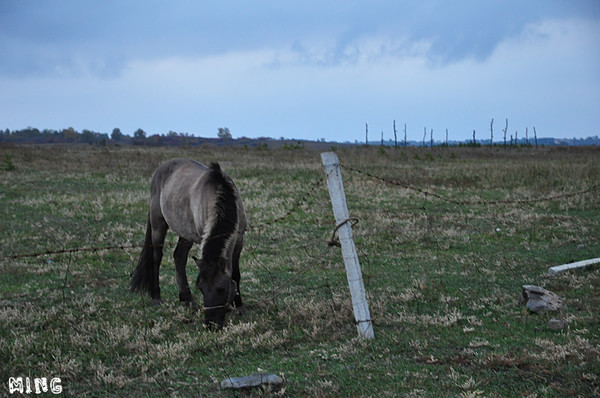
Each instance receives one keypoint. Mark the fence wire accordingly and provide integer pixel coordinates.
(314, 245)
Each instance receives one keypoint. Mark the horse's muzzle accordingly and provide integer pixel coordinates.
(214, 318)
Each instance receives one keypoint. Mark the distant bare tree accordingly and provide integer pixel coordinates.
(431, 138)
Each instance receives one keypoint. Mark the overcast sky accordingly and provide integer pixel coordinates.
(302, 69)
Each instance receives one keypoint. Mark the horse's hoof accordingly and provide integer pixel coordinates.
(156, 302)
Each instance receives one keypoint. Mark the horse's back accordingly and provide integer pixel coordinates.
(182, 193)
(180, 197)
(175, 166)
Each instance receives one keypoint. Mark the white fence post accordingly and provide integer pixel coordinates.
(565, 267)
(353, 272)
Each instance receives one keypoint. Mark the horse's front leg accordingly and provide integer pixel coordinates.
(235, 270)
(180, 256)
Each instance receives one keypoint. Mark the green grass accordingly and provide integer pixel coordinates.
(443, 274)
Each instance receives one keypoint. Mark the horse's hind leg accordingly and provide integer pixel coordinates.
(180, 256)
(159, 231)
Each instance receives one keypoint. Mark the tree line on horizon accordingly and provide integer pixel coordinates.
(31, 135)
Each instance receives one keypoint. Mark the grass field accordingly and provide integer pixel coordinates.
(445, 246)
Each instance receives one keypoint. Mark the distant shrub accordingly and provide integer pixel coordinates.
(7, 164)
(291, 146)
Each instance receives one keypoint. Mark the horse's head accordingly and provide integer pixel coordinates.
(219, 291)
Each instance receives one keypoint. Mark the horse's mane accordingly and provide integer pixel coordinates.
(223, 223)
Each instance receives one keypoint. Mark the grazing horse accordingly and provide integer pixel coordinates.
(202, 205)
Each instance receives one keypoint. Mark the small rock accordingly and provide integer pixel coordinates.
(254, 380)
(539, 300)
(557, 324)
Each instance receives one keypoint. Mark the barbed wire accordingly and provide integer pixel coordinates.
(471, 202)
(70, 251)
(311, 189)
(313, 186)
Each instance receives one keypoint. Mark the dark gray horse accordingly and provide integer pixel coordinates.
(202, 205)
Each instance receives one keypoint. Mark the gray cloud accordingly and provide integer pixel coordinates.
(101, 37)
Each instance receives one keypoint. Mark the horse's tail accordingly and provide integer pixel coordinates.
(223, 223)
(141, 278)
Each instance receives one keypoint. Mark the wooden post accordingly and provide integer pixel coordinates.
(360, 305)
(566, 267)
